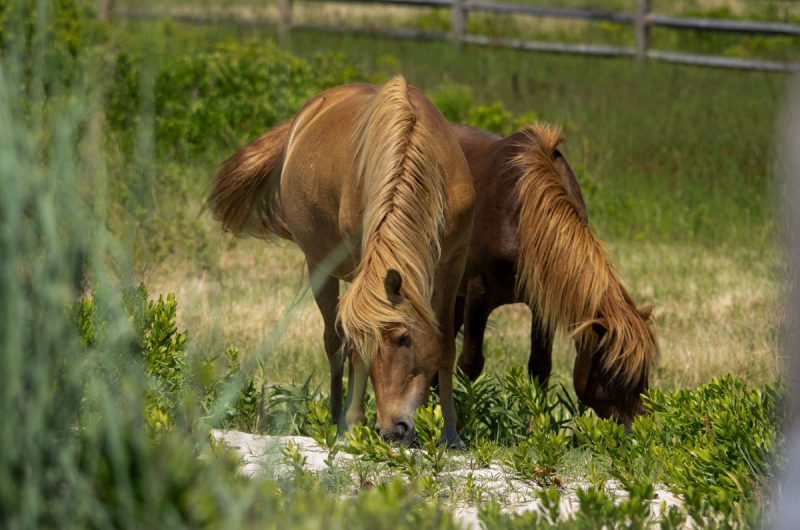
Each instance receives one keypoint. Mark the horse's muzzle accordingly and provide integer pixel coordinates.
(401, 432)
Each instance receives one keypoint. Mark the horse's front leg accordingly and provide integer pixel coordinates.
(356, 391)
(445, 306)
(540, 362)
(326, 294)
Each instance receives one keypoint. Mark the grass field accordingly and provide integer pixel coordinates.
(676, 165)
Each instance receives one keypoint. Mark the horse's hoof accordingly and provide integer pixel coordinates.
(453, 442)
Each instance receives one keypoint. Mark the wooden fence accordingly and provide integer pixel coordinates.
(642, 20)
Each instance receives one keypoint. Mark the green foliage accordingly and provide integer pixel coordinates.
(294, 456)
(538, 458)
(221, 98)
(497, 119)
(56, 41)
(163, 346)
(286, 409)
(501, 407)
(429, 423)
(494, 118)
(321, 430)
(597, 509)
(84, 320)
(714, 445)
(549, 515)
(178, 384)
(484, 452)
(434, 20)
(228, 386)
(456, 102)
(364, 442)
(689, 442)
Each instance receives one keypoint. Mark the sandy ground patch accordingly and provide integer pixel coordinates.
(261, 451)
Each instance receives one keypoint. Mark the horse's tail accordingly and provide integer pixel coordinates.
(402, 184)
(563, 271)
(244, 198)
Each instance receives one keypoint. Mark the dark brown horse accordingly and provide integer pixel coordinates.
(531, 243)
(371, 184)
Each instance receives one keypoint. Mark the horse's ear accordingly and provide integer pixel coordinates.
(646, 311)
(392, 283)
(600, 326)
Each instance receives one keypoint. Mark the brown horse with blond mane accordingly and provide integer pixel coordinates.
(371, 184)
(531, 243)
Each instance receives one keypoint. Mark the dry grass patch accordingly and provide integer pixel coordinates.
(716, 311)
(255, 298)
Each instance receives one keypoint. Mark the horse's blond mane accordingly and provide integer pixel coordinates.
(563, 271)
(403, 188)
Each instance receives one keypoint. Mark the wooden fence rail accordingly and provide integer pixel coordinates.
(642, 20)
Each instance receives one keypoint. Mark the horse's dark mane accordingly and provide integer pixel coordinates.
(563, 271)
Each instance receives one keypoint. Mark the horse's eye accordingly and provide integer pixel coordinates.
(404, 341)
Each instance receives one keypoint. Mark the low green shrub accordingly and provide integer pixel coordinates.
(221, 99)
(502, 407)
(58, 41)
(714, 445)
(177, 385)
(456, 102)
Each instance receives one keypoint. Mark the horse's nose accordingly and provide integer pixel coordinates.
(400, 431)
(402, 427)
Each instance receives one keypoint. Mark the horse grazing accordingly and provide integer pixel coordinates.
(371, 184)
(531, 243)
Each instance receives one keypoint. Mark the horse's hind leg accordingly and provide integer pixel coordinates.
(476, 313)
(326, 294)
(540, 362)
(458, 315)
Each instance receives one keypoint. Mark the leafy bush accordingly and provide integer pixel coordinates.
(454, 100)
(176, 383)
(222, 98)
(713, 445)
(56, 44)
(504, 407)
(457, 104)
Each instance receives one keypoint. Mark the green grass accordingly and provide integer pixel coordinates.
(658, 158)
(678, 183)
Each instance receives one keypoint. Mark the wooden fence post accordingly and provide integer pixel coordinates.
(284, 19)
(459, 22)
(104, 9)
(642, 28)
